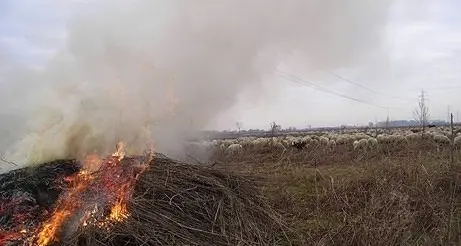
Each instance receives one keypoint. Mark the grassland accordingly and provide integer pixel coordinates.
(390, 196)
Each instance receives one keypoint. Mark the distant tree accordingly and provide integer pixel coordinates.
(239, 126)
(291, 128)
(275, 128)
(421, 112)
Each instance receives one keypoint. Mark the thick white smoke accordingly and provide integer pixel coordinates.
(145, 69)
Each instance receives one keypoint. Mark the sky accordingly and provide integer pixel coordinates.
(422, 51)
(419, 49)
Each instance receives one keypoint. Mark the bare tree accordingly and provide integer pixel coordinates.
(452, 139)
(239, 126)
(421, 112)
(274, 128)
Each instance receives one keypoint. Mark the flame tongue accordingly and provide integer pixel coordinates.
(110, 186)
(67, 205)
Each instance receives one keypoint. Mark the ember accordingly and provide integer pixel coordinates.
(27, 194)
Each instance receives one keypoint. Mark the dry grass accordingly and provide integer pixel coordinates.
(390, 196)
(387, 196)
(181, 204)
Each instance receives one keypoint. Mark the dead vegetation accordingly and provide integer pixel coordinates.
(180, 204)
(173, 204)
(386, 196)
(26, 193)
(389, 196)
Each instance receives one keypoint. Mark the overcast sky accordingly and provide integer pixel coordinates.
(420, 49)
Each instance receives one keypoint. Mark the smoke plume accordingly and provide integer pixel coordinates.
(144, 70)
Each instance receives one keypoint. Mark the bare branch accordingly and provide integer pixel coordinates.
(8, 162)
(421, 112)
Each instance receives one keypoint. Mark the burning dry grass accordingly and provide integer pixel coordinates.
(27, 194)
(180, 204)
(172, 204)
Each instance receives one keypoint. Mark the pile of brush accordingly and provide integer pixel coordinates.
(28, 193)
(181, 204)
(173, 204)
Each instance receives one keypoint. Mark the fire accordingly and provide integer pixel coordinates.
(120, 153)
(108, 180)
(119, 211)
(66, 206)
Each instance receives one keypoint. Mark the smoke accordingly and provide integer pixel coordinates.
(144, 70)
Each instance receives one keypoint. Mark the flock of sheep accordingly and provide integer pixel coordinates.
(330, 140)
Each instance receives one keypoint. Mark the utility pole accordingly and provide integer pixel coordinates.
(388, 121)
(376, 127)
(452, 141)
(448, 115)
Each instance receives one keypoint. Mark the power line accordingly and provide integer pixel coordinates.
(299, 80)
(354, 83)
(440, 88)
(366, 88)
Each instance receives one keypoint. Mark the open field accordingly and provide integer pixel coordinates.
(394, 194)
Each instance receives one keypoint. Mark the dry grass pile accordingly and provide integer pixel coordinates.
(180, 204)
(411, 202)
(25, 193)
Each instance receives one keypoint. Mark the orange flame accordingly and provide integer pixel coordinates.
(119, 210)
(66, 206)
(117, 184)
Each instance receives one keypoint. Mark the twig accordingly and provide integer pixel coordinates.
(190, 189)
(8, 162)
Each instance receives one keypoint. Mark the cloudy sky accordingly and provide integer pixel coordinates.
(420, 49)
(422, 45)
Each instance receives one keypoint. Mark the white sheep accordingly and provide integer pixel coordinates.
(264, 142)
(458, 141)
(256, 143)
(306, 139)
(291, 139)
(331, 144)
(234, 148)
(400, 139)
(360, 144)
(247, 142)
(342, 140)
(383, 139)
(315, 142)
(227, 142)
(413, 137)
(324, 141)
(441, 139)
(372, 143)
